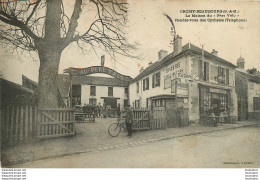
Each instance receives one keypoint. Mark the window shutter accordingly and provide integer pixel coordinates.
(153, 80)
(147, 83)
(227, 76)
(143, 84)
(207, 71)
(200, 69)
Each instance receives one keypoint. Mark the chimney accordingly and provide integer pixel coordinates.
(214, 52)
(150, 63)
(142, 69)
(177, 44)
(161, 54)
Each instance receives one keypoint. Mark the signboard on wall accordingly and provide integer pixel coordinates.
(182, 88)
(97, 69)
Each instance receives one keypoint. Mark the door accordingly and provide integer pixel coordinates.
(215, 103)
(111, 102)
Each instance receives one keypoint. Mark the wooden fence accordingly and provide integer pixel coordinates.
(141, 119)
(20, 123)
(158, 120)
(56, 122)
(147, 119)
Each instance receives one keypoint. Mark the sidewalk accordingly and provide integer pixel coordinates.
(93, 137)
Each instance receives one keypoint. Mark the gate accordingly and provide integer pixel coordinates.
(55, 122)
(141, 119)
(158, 120)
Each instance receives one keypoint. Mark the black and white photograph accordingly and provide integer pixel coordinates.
(130, 84)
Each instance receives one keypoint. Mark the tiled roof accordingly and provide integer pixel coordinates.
(251, 77)
(173, 56)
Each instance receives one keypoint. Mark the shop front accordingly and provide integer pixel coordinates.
(213, 100)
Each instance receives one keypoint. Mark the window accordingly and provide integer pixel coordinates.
(92, 90)
(158, 102)
(92, 101)
(146, 84)
(227, 76)
(221, 75)
(110, 91)
(156, 79)
(126, 90)
(256, 103)
(125, 102)
(167, 83)
(137, 87)
(137, 104)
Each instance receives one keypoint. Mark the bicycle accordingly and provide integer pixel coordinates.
(115, 128)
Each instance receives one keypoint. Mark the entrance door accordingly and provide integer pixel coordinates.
(215, 103)
(111, 102)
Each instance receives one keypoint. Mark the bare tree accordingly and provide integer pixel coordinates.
(46, 27)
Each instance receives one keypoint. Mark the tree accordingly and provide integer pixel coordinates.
(252, 71)
(47, 27)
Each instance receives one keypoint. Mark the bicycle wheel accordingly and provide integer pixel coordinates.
(114, 129)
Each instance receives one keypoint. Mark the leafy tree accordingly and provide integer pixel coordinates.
(48, 27)
(252, 71)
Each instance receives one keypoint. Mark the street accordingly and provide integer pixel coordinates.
(233, 148)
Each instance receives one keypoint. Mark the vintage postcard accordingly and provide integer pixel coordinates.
(129, 84)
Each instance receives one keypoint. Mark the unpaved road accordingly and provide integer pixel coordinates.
(237, 148)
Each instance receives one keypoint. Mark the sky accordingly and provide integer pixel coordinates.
(151, 29)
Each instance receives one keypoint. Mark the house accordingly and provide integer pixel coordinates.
(188, 80)
(92, 90)
(12, 93)
(248, 92)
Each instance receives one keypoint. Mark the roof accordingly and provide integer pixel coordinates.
(98, 81)
(8, 85)
(250, 77)
(28, 83)
(173, 56)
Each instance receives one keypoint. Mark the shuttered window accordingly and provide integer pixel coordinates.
(146, 84)
(156, 79)
(206, 71)
(227, 76)
(200, 70)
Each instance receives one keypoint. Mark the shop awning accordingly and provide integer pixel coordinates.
(163, 96)
(218, 86)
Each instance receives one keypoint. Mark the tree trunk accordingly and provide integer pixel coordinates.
(48, 72)
(49, 50)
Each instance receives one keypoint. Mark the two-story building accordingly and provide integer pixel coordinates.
(189, 79)
(248, 92)
(80, 87)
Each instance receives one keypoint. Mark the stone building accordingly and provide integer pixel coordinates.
(190, 80)
(92, 90)
(248, 92)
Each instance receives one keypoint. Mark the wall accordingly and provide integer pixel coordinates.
(167, 71)
(253, 91)
(102, 91)
(188, 65)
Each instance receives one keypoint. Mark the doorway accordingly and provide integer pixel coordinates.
(216, 105)
(112, 102)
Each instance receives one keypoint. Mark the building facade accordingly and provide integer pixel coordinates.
(189, 79)
(80, 88)
(248, 95)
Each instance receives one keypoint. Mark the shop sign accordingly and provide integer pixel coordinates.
(219, 91)
(97, 69)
